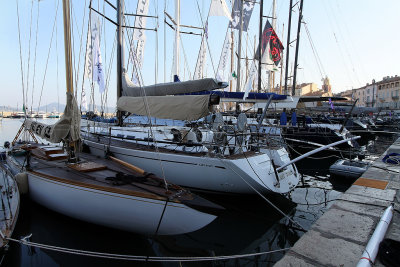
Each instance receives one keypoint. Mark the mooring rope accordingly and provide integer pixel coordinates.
(95, 254)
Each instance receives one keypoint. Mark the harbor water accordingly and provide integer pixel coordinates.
(248, 225)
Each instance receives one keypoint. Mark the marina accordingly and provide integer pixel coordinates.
(261, 226)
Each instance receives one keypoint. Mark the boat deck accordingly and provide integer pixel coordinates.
(134, 145)
(101, 174)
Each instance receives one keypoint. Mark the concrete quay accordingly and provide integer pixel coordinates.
(338, 237)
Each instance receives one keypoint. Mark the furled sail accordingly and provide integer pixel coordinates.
(68, 124)
(175, 88)
(181, 107)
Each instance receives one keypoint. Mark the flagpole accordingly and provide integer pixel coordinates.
(297, 47)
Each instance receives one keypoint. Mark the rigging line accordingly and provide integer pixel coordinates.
(85, 65)
(48, 55)
(25, 242)
(146, 104)
(352, 42)
(337, 43)
(29, 54)
(345, 45)
(20, 57)
(58, 89)
(104, 103)
(206, 38)
(319, 65)
(261, 195)
(185, 58)
(34, 61)
(81, 43)
(110, 64)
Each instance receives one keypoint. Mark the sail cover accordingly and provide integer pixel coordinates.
(163, 89)
(183, 107)
(69, 123)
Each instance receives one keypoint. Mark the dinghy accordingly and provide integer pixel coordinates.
(348, 168)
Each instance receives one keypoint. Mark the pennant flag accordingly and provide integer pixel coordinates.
(201, 59)
(271, 48)
(248, 7)
(223, 60)
(98, 74)
(219, 8)
(93, 61)
(139, 32)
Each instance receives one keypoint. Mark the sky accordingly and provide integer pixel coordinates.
(355, 41)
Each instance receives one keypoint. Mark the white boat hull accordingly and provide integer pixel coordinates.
(124, 212)
(242, 175)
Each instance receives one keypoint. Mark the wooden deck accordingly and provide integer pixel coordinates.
(101, 174)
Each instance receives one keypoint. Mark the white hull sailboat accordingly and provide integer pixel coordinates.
(192, 165)
(91, 195)
(107, 192)
(199, 164)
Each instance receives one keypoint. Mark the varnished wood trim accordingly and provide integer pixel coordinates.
(101, 188)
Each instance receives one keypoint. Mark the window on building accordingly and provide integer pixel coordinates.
(397, 84)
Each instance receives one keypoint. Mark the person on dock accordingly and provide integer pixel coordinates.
(283, 119)
(294, 118)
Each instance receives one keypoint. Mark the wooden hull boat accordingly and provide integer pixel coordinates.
(10, 198)
(109, 193)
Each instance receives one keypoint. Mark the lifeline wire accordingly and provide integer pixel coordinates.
(23, 241)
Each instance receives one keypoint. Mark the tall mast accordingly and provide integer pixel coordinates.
(260, 38)
(239, 45)
(68, 49)
(297, 47)
(177, 37)
(287, 46)
(120, 46)
(272, 73)
(120, 53)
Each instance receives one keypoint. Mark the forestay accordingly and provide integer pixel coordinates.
(69, 123)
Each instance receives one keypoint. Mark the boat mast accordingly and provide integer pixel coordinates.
(272, 73)
(287, 46)
(67, 45)
(260, 38)
(297, 47)
(239, 45)
(177, 38)
(120, 53)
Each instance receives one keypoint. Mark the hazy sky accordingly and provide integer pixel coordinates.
(356, 41)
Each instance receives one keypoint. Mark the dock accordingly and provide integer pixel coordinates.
(338, 237)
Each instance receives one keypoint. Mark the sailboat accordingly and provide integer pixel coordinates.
(10, 199)
(108, 192)
(215, 158)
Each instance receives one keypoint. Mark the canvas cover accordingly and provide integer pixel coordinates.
(173, 88)
(183, 107)
(69, 123)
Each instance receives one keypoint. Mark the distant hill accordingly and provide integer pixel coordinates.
(50, 108)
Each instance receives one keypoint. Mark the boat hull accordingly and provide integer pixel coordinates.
(213, 174)
(119, 211)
